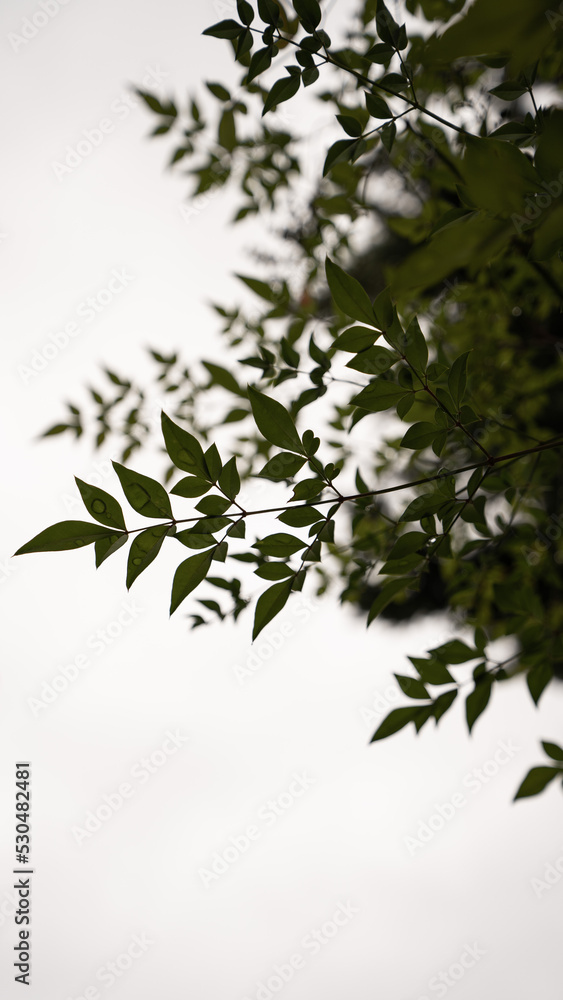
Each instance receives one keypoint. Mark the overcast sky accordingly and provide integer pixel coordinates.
(249, 842)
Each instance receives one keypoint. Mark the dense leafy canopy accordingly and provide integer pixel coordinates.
(422, 297)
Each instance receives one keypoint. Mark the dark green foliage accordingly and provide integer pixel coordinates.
(443, 339)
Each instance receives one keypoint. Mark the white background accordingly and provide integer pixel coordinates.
(303, 711)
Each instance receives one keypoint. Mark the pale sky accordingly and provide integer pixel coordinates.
(322, 884)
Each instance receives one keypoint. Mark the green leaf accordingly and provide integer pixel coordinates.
(373, 361)
(260, 288)
(65, 535)
(213, 505)
(103, 507)
(183, 448)
(348, 294)
(400, 567)
(194, 540)
(431, 671)
(411, 686)
(388, 135)
(377, 107)
(517, 28)
(56, 429)
(310, 13)
(274, 571)
(260, 62)
(548, 237)
(383, 309)
(422, 506)
(350, 125)
(191, 486)
(419, 435)
(416, 347)
(379, 395)
(457, 378)
(536, 780)
(220, 552)
(144, 549)
(168, 109)
(145, 495)
(553, 750)
(274, 422)
(537, 680)
(387, 27)
(105, 547)
(269, 604)
(478, 700)
(269, 11)
(509, 90)
(218, 90)
(188, 576)
(299, 517)
(229, 480)
(213, 462)
(393, 82)
(280, 544)
(208, 525)
(221, 376)
(408, 543)
(514, 132)
(281, 91)
(396, 720)
(289, 354)
(442, 704)
(226, 133)
(387, 594)
(282, 466)
(454, 651)
(380, 53)
(307, 489)
(357, 338)
(245, 11)
(224, 29)
(237, 530)
(340, 151)
(310, 76)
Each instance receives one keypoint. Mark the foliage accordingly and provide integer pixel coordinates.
(439, 333)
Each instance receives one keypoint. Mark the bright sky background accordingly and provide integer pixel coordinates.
(339, 846)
